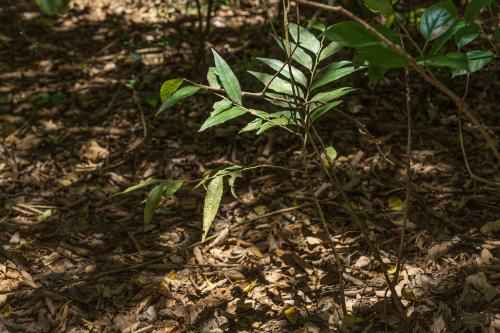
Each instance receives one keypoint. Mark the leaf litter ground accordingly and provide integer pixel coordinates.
(73, 260)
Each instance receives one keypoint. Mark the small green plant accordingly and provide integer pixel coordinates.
(298, 91)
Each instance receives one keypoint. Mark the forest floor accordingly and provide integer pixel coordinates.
(77, 98)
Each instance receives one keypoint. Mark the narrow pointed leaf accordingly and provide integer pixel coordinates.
(331, 74)
(298, 54)
(220, 106)
(270, 124)
(178, 96)
(172, 186)
(212, 202)
(455, 60)
(168, 88)
(325, 97)
(222, 117)
(227, 78)
(277, 65)
(321, 110)
(212, 78)
(252, 126)
(279, 85)
(304, 38)
(147, 182)
(152, 202)
(329, 50)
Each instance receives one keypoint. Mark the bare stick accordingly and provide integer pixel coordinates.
(408, 171)
(459, 102)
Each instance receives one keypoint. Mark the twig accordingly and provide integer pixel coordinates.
(408, 171)
(362, 128)
(459, 102)
(462, 145)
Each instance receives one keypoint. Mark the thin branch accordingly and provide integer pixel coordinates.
(408, 171)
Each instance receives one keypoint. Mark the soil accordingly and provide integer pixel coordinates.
(78, 93)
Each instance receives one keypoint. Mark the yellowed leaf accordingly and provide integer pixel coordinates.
(248, 288)
(395, 203)
(172, 275)
(291, 314)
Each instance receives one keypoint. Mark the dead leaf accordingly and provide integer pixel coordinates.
(362, 261)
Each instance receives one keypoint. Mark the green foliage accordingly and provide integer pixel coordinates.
(177, 96)
(474, 7)
(438, 25)
(212, 201)
(437, 19)
(301, 88)
(52, 7)
(379, 6)
(227, 78)
(168, 88)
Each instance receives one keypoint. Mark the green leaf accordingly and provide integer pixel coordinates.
(212, 78)
(178, 96)
(437, 19)
(222, 116)
(168, 88)
(395, 203)
(441, 40)
(317, 25)
(52, 7)
(475, 61)
(330, 74)
(172, 186)
(304, 38)
(227, 78)
(375, 73)
(325, 97)
(270, 124)
(353, 34)
(379, 55)
(152, 202)
(298, 54)
(321, 110)
(466, 35)
(220, 106)
(350, 33)
(279, 85)
(331, 153)
(329, 50)
(252, 126)
(454, 60)
(379, 6)
(474, 7)
(212, 202)
(232, 179)
(44, 216)
(147, 182)
(298, 76)
(497, 34)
